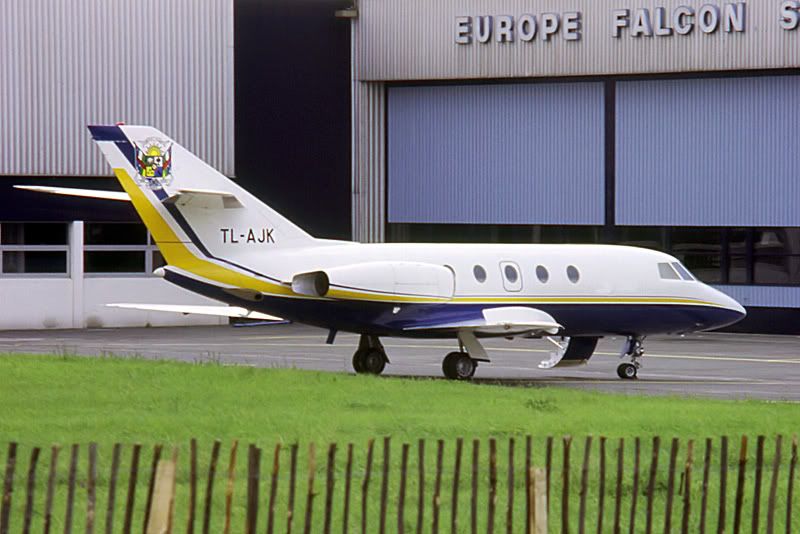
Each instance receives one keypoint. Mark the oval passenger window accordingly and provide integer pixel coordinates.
(511, 273)
(542, 274)
(572, 274)
(479, 273)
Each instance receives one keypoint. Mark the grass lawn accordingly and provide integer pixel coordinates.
(46, 400)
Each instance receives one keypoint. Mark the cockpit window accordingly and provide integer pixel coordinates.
(666, 272)
(683, 271)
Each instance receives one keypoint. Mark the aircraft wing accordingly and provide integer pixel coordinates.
(220, 311)
(502, 321)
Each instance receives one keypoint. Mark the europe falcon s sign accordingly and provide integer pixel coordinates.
(682, 20)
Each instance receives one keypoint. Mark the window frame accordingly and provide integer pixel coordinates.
(65, 248)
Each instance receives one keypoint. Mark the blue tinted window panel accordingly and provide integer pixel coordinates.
(496, 154)
(709, 152)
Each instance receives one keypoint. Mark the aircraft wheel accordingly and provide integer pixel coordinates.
(626, 371)
(358, 361)
(459, 366)
(373, 362)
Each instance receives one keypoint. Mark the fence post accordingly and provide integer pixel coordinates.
(528, 486)
(192, 486)
(31, 486)
(737, 513)
(723, 479)
(8, 488)
(548, 463)
(312, 471)
(253, 476)
(565, 486)
(365, 486)
(51, 489)
(473, 515)
(151, 485)
(273, 488)
(229, 488)
(292, 485)
(421, 484)
(587, 449)
(651, 483)
(329, 484)
(456, 482)
(401, 495)
(212, 472)
(91, 488)
(618, 492)
(637, 449)
(601, 490)
(437, 487)
(790, 485)
(537, 505)
(773, 487)
(384, 485)
(492, 485)
(510, 503)
(348, 473)
(704, 498)
(673, 459)
(73, 466)
(757, 489)
(687, 487)
(161, 504)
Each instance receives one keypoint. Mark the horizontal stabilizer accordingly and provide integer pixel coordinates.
(204, 199)
(74, 192)
(503, 321)
(220, 311)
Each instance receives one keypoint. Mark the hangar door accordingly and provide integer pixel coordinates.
(708, 152)
(496, 154)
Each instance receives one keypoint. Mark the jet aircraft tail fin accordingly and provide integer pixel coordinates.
(183, 201)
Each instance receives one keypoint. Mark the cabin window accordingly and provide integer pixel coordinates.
(666, 272)
(573, 274)
(542, 274)
(683, 271)
(511, 273)
(480, 273)
(512, 279)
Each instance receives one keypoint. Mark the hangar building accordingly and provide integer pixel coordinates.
(668, 125)
(671, 125)
(212, 74)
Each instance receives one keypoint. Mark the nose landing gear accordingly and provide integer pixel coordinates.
(634, 350)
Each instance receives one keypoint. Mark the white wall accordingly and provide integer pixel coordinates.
(37, 303)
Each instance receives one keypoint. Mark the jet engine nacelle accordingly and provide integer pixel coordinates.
(400, 278)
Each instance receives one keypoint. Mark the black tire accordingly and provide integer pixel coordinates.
(358, 361)
(626, 371)
(373, 362)
(459, 366)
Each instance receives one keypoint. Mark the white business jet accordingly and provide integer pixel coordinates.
(222, 242)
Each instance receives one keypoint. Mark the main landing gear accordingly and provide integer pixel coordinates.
(370, 358)
(634, 350)
(461, 365)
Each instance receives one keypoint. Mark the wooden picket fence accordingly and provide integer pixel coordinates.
(618, 489)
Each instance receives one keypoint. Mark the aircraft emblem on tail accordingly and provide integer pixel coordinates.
(154, 162)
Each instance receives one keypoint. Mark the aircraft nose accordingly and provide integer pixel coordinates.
(736, 311)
